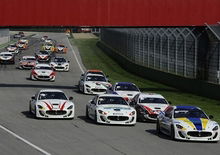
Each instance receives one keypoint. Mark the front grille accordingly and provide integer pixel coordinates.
(153, 115)
(43, 77)
(118, 118)
(56, 112)
(59, 67)
(199, 134)
(98, 90)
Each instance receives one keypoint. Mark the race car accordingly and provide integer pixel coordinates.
(43, 72)
(93, 84)
(7, 58)
(27, 62)
(187, 123)
(43, 56)
(61, 48)
(48, 40)
(125, 89)
(12, 48)
(148, 105)
(19, 35)
(94, 71)
(60, 64)
(44, 38)
(51, 103)
(22, 45)
(48, 47)
(110, 109)
(24, 39)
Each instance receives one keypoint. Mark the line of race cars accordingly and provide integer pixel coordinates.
(121, 103)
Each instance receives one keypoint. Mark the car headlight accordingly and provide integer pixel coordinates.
(102, 112)
(40, 107)
(132, 113)
(70, 107)
(179, 126)
(215, 128)
(87, 86)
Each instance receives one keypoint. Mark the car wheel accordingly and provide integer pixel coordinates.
(95, 119)
(172, 133)
(35, 112)
(87, 113)
(158, 127)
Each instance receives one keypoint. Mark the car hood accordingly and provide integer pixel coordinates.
(129, 94)
(196, 123)
(98, 84)
(55, 104)
(115, 107)
(155, 107)
(43, 72)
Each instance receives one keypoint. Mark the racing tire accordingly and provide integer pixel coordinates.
(158, 128)
(95, 119)
(172, 133)
(30, 111)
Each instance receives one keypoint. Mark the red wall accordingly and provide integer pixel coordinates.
(108, 12)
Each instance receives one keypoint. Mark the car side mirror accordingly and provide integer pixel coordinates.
(211, 117)
(107, 76)
(92, 102)
(33, 97)
(169, 102)
(168, 115)
(70, 98)
(68, 61)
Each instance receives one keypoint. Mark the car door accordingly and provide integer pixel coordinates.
(81, 82)
(92, 107)
(33, 101)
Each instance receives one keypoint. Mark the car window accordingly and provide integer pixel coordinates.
(52, 95)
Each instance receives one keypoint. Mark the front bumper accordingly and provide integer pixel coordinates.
(55, 113)
(95, 91)
(61, 68)
(120, 120)
(44, 77)
(197, 135)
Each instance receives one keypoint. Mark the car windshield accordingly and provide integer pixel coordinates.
(44, 52)
(127, 87)
(189, 113)
(43, 67)
(95, 78)
(59, 60)
(52, 95)
(12, 46)
(48, 44)
(6, 55)
(111, 100)
(61, 46)
(93, 72)
(21, 42)
(152, 100)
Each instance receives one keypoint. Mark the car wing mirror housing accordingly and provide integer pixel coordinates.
(211, 116)
(70, 98)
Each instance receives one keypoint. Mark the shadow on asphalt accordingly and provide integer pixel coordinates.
(28, 114)
(87, 120)
(154, 132)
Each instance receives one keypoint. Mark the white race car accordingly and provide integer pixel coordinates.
(48, 40)
(43, 72)
(60, 64)
(51, 103)
(12, 48)
(93, 84)
(24, 39)
(110, 109)
(43, 38)
(125, 89)
(187, 123)
(149, 105)
(7, 57)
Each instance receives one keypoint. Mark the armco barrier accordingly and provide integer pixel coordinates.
(189, 85)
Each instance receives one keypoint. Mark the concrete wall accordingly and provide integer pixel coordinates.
(4, 36)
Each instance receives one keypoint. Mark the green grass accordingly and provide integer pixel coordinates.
(94, 58)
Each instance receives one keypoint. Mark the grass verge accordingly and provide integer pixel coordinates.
(94, 58)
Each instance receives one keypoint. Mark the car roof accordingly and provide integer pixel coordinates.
(186, 107)
(50, 90)
(46, 65)
(109, 95)
(92, 74)
(149, 95)
(28, 56)
(94, 70)
(124, 83)
(6, 53)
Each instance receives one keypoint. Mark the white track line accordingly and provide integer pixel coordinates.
(75, 56)
(24, 140)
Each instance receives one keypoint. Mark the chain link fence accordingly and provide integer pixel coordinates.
(180, 51)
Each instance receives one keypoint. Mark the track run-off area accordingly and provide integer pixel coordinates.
(21, 133)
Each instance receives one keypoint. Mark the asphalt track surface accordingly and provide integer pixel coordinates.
(22, 134)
